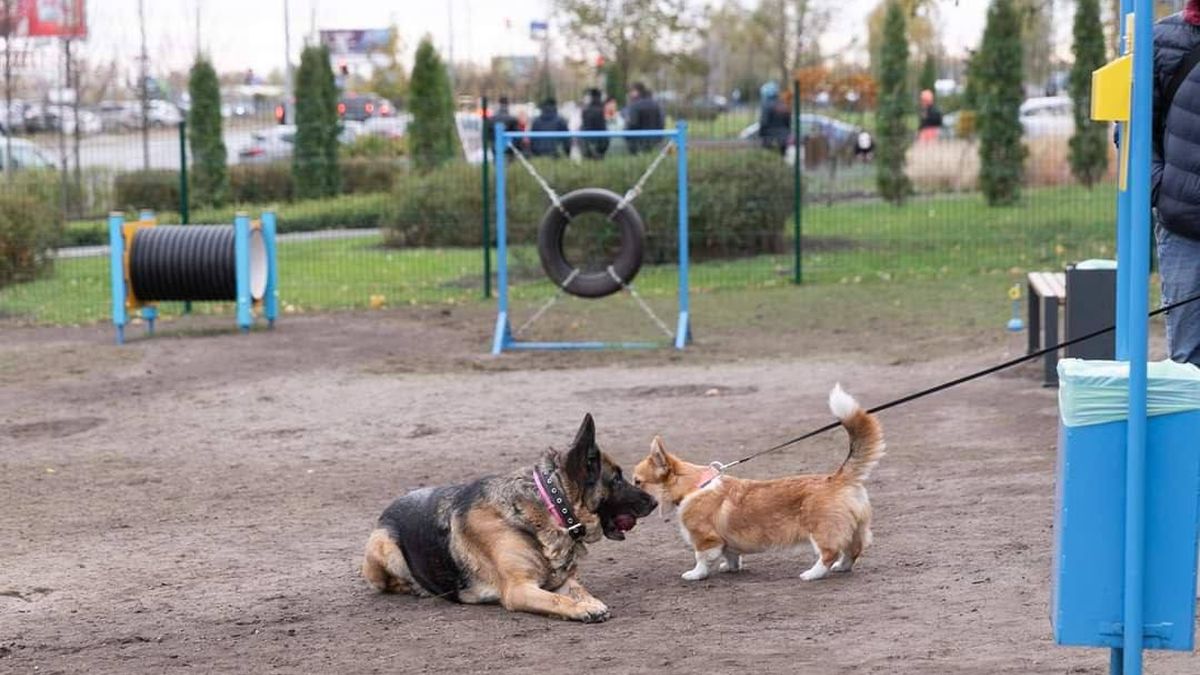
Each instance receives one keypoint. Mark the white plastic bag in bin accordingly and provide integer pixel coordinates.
(1095, 392)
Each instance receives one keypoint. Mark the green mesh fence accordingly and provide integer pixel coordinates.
(396, 235)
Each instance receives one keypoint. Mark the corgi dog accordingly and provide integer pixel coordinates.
(723, 517)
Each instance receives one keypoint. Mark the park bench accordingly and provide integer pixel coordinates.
(1047, 292)
(1093, 287)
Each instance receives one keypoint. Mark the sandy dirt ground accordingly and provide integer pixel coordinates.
(199, 502)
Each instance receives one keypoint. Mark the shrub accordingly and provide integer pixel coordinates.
(156, 189)
(314, 163)
(432, 137)
(370, 146)
(258, 183)
(30, 228)
(895, 104)
(1089, 145)
(739, 203)
(997, 71)
(210, 175)
(368, 175)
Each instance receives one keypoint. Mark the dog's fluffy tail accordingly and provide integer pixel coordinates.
(866, 435)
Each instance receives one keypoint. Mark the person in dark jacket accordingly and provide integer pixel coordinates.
(503, 116)
(774, 120)
(548, 119)
(594, 120)
(1175, 180)
(643, 113)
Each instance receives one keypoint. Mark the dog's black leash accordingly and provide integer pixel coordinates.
(946, 385)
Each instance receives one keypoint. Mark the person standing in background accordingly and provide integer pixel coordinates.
(774, 120)
(930, 126)
(593, 120)
(644, 113)
(549, 120)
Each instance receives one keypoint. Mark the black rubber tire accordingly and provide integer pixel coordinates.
(174, 262)
(626, 263)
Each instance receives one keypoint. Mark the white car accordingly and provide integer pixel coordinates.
(25, 155)
(1048, 116)
(388, 127)
(273, 144)
(276, 144)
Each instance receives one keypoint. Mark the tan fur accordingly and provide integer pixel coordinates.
(383, 564)
(731, 516)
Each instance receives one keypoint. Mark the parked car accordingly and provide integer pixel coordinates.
(1048, 116)
(841, 135)
(12, 121)
(116, 115)
(53, 118)
(363, 107)
(277, 144)
(388, 127)
(25, 155)
(269, 145)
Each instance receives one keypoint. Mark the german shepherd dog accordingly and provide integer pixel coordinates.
(515, 539)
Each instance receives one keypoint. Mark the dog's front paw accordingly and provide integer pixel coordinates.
(595, 612)
(694, 575)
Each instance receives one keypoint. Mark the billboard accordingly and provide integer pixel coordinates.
(343, 42)
(46, 18)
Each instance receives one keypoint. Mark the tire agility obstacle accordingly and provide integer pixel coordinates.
(618, 274)
(151, 263)
(625, 264)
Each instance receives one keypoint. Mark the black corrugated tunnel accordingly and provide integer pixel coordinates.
(625, 264)
(192, 262)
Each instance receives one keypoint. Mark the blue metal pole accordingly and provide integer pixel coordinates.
(683, 326)
(116, 267)
(1138, 264)
(500, 337)
(1123, 225)
(271, 295)
(241, 262)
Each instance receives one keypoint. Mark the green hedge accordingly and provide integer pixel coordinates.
(30, 227)
(346, 212)
(739, 202)
(158, 189)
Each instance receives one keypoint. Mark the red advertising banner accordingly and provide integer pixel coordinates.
(46, 18)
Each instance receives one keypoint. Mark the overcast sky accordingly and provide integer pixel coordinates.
(242, 34)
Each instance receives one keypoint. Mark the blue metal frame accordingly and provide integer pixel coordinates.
(271, 295)
(116, 267)
(241, 263)
(1136, 259)
(502, 337)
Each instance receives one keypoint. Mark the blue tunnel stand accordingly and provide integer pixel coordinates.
(503, 338)
(123, 303)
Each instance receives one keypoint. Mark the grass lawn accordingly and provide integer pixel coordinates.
(952, 239)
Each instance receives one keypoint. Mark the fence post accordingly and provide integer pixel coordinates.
(797, 187)
(184, 216)
(487, 236)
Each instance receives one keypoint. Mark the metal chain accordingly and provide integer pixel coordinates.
(636, 190)
(554, 199)
(645, 307)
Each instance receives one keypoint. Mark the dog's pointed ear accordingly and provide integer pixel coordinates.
(583, 459)
(658, 454)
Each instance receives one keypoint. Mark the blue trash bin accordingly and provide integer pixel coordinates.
(1089, 529)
